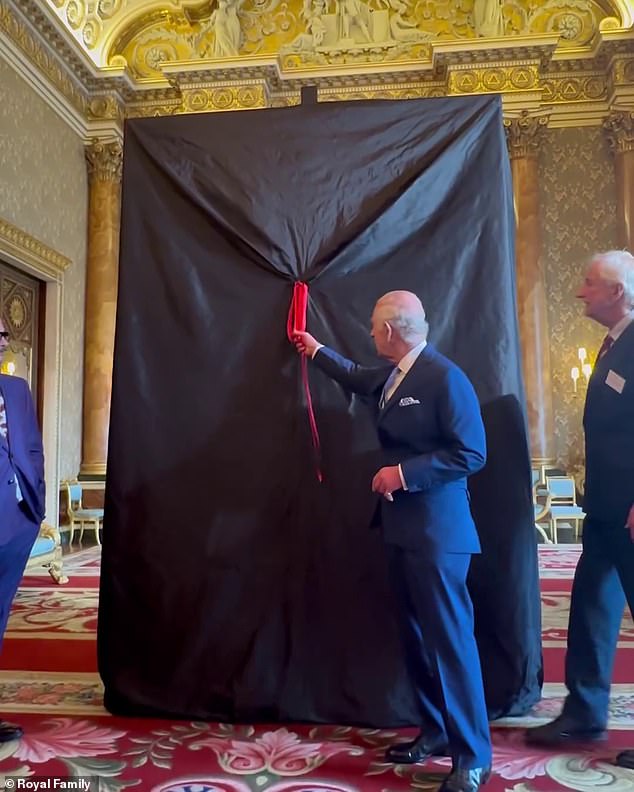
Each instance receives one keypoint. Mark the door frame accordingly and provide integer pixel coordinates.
(29, 255)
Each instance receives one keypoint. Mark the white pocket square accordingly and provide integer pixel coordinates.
(406, 401)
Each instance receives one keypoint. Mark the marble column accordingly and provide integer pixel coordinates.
(619, 128)
(524, 134)
(104, 160)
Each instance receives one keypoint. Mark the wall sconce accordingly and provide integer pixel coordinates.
(584, 368)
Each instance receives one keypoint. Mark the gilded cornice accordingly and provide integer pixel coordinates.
(544, 61)
(619, 129)
(104, 160)
(524, 134)
(17, 244)
(46, 61)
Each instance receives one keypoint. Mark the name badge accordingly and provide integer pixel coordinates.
(615, 381)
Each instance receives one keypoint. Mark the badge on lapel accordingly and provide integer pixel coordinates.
(406, 401)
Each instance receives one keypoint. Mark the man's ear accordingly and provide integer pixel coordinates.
(388, 330)
(618, 290)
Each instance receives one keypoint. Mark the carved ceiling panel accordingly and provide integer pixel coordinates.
(146, 34)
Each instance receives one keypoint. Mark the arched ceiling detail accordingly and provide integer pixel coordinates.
(147, 34)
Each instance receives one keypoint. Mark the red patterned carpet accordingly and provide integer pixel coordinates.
(49, 683)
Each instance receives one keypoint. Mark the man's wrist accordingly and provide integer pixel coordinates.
(402, 477)
(316, 350)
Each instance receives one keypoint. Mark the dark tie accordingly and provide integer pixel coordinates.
(605, 346)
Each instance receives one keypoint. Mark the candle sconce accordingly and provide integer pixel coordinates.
(581, 372)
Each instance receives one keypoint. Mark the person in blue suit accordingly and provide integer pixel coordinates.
(431, 433)
(604, 578)
(21, 492)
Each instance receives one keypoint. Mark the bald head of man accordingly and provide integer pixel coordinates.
(398, 324)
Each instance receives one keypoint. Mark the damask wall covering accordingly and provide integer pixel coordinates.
(578, 196)
(43, 191)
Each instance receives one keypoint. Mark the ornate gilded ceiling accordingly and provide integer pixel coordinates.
(116, 58)
(146, 34)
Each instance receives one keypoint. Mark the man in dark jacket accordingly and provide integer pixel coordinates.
(21, 492)
(604, 578)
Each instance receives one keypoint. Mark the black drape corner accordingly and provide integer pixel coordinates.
(234, 585)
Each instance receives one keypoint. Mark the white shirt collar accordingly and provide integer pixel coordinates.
(621, 326)
(408, 360)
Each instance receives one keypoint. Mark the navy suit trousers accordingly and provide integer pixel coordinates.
(604, 580)
(436, 618)
(13, 558)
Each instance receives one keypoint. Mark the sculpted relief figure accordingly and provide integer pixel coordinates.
(401, 28)
(312, 13)
(350, 12)
(355, 24)
(225, 25)
(487, 18)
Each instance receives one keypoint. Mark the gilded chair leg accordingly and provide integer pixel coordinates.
(544, 535)
(72, 533)
(98, 539)
(56, 572)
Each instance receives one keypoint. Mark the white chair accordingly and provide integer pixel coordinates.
(79, 517)
(563, 503)
(47, 553)
(540, 509)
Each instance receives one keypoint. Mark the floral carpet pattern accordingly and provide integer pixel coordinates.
(69, 734)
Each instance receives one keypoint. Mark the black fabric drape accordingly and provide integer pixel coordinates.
(234, 585)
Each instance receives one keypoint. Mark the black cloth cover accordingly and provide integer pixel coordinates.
(234, 585)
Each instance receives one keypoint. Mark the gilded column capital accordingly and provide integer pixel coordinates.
(619, 129)
(104, 160)
(524, 134)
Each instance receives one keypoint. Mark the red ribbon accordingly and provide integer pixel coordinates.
(297, 322)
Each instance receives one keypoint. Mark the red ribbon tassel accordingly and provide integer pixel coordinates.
(297, 322)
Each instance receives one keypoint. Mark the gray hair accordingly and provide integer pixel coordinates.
(404, 312)
(617, 266)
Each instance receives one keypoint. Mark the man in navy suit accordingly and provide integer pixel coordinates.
(21, 492)
(432, 436)
(604, 577)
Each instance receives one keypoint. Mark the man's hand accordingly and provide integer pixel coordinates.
(386, 481)
(305, 343)
(629, 524)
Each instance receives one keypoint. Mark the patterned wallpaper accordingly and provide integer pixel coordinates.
(578, 196)
(43, 191)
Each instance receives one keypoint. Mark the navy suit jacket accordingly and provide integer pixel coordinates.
(608, 422)
(432, 427)
(21, 456)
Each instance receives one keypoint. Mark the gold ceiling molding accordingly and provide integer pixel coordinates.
(575, 58)
(328, 33)
(47, 62)
(18, 245)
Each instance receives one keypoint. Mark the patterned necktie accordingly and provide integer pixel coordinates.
(3, 418)
(389, 387)
(605, 346)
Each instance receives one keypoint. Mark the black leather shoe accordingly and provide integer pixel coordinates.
(416, 750)
(10, 731)
(465, 780)
(563, 731)
(626, 759)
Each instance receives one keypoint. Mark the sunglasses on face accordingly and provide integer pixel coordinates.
(4, 334)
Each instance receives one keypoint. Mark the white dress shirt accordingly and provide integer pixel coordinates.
(622, 325)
